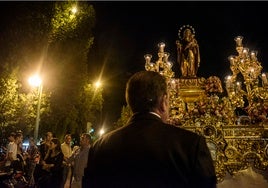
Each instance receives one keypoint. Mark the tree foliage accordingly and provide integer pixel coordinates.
(9, 98)
(18, 109)
(90, 104)
(47, 38)
(126, 113)
(70, 40)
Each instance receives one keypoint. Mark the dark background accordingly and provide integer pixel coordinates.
(126, 31)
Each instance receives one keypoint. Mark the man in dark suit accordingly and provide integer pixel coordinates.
(148, 152)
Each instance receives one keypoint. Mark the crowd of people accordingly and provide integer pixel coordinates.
(147, 152)
(52, 164)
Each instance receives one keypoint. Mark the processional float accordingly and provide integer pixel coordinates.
(201, 105)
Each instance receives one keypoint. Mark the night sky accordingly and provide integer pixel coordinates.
(126, 31)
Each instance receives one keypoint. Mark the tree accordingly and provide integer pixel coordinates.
(9, 98)
(126, 113)
(46, 37)
(69, 43)
(90, 104)
(18, 109)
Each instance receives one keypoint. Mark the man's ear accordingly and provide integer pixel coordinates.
(164, 107)
(164, 103)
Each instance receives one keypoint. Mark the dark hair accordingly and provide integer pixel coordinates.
(31, 139)
(18, 134)
(144, 90)
(87, 136)
(57, 142)
(49, 133)
(12, 134)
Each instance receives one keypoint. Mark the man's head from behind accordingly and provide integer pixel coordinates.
(146, 91)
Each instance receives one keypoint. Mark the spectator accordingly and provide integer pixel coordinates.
(79, 159)
(32, 157)
(44, 148)
(149, 152)
(67, 152)
(20, 165)
(45, 145)
(51, 174)
(11, 154)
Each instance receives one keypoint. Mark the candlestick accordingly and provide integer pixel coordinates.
(245, 52)
(231, 59)
(253, 55)
(238, 86)
(161, 47)
(238, 41)
(148, 58)
(264, 79)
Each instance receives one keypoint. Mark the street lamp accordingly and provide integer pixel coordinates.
(37, 82)
(74, 10)
(98, 84)
(102, 131)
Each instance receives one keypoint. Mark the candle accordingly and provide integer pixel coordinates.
(228, 82)
(264, 79)
(161, 47)
(245, 52)
(231, 59)
(166, 55)
(253, 55)
(238, 86)
(148, 58)
(238, 41)
(251, 73)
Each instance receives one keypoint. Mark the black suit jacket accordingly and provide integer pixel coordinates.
(149, 153)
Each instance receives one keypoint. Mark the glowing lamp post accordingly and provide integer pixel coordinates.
(98, 85)
(74, 10)
(102, 131)
(37, 82)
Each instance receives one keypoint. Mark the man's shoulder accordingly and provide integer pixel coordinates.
(112, 135)
(180, 130)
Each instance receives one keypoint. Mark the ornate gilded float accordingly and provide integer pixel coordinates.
(233, 121)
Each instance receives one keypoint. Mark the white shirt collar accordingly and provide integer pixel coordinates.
(155, 114)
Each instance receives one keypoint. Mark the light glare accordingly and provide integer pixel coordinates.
(102, 132)
(35, 81)
(74, 10)
(97, 84)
